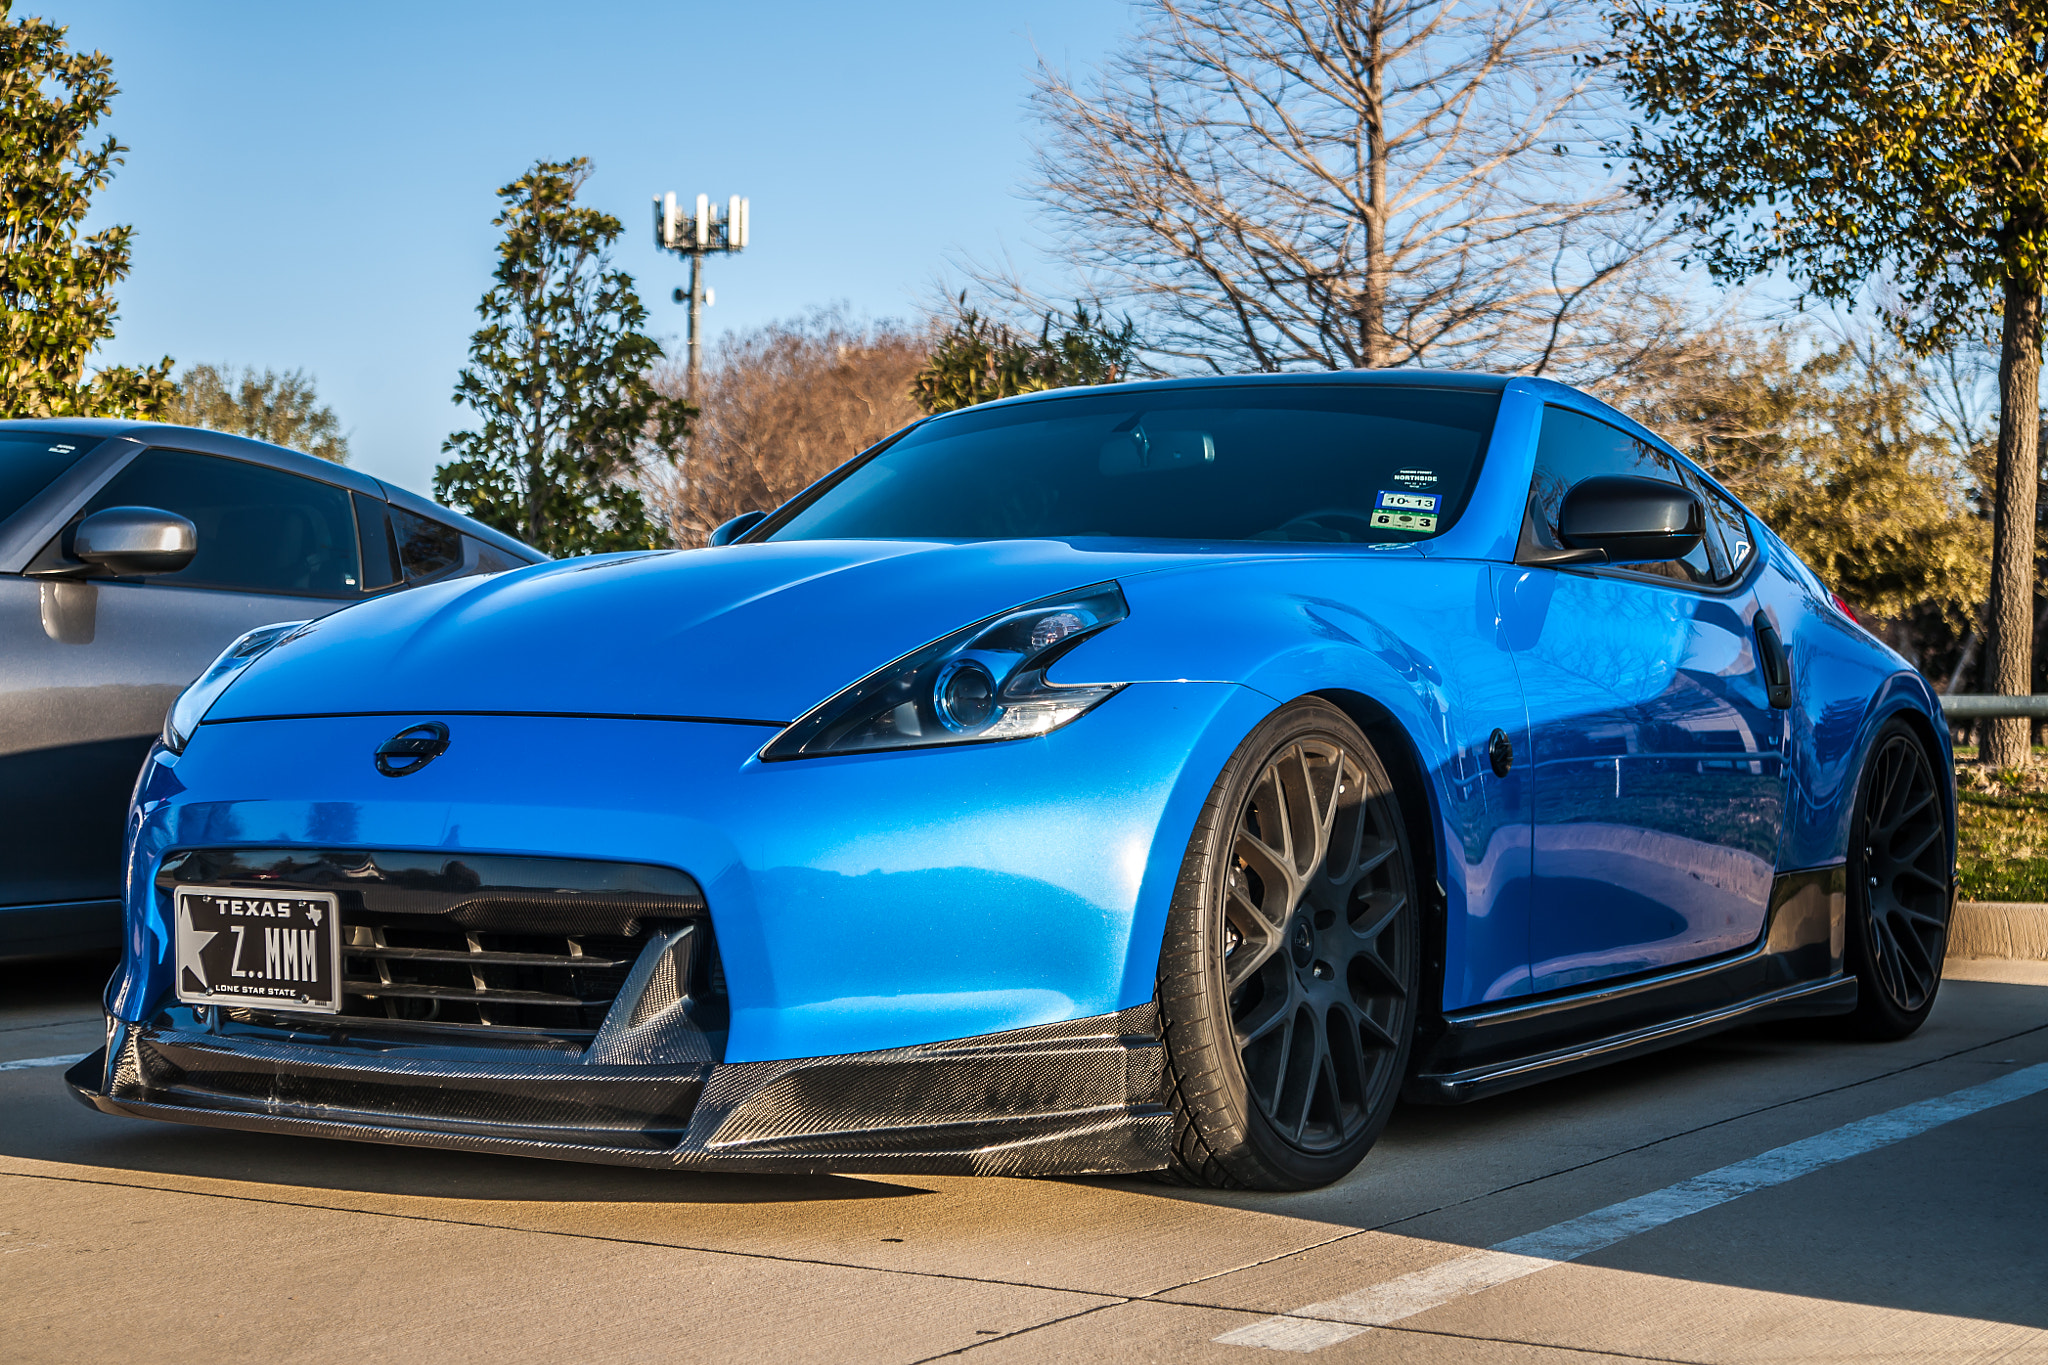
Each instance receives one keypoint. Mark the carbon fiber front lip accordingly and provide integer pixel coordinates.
(1073, 1098)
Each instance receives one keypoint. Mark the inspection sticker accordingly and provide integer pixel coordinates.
(1401, 510)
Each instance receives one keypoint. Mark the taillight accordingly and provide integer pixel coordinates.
(1844, 608)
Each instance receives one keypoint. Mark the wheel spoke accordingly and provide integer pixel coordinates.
(1271, 865)
(1252, 918)
(1371, 1028)
(1319, 1060)
(1369, 933)
(1367, 863)
(1925, 800)
(1923, 917)
(1926, 842)
(1271, 1014)
(1894, 769)
(1916, 967)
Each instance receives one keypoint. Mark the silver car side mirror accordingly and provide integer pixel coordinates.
(132, 541)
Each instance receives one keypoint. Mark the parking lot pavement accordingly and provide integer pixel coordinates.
(1764, 1196)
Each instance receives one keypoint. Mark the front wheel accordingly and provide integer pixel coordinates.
(1287, 981)
(1901, 866)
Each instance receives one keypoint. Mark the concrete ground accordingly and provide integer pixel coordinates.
(1920, 1237)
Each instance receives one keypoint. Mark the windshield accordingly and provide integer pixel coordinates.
(1269, 462)
(29, 460)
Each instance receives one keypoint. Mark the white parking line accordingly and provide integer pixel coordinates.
(1316, 1325)
(27, 1062)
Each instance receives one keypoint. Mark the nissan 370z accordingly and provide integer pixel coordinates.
(1164, 776)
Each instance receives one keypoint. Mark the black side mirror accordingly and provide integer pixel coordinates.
(131, 541)
(729, 531)
(1631, 520)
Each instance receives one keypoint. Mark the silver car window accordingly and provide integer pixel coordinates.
(260, 529)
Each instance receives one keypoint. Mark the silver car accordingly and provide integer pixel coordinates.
(130, 555)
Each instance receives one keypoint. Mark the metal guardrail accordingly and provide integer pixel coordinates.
(1983, 707)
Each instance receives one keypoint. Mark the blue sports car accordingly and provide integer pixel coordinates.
(1165, 776)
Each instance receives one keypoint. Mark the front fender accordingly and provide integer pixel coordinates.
(1410, 641)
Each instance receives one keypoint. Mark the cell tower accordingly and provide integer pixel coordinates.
(696, 236)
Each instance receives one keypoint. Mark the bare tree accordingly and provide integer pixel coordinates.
(781, 406)
(1277, 184)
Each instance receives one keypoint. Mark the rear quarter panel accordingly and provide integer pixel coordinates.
(1846, 685)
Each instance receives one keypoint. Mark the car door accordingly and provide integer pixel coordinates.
(96, 674)
(1658, 770)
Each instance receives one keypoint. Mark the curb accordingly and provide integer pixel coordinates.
(2007, 929)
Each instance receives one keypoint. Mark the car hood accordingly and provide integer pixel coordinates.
(744, 632)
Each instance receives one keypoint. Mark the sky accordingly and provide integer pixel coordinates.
(312, 186)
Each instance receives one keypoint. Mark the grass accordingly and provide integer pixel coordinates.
(2002, 842)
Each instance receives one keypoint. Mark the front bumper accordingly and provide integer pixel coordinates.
(1072, 1098)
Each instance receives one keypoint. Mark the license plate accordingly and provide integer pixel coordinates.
(280, 952)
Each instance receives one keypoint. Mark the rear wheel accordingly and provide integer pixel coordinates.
(1287, 981)
(1901, 866)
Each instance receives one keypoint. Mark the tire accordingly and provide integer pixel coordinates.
(1901, 870)
(1272, 955)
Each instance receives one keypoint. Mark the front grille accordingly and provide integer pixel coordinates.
(497, 948)
(394, 967)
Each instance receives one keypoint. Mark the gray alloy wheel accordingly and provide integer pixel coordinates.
(1288, 980)
(1901, 873)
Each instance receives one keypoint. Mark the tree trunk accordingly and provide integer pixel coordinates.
(2009, 620)
(1375, 346)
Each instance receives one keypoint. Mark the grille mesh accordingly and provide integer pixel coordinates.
(399, 967)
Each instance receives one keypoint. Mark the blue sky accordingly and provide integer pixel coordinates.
(312, 185)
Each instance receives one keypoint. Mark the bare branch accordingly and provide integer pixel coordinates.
(1283, 184)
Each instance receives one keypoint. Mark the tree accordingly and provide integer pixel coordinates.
(1840, 140)
(560, 374)
(56, 299)
(279, 408)
(1273, 184)
(783, 405)
(1843, 456)
(978, 359)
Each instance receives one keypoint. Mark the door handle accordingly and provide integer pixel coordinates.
(1775, 663)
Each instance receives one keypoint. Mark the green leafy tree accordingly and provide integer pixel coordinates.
(978, 359)
(279, 408)
(1839, 455)
(559, 376)
(1841, 140)
(56, 299)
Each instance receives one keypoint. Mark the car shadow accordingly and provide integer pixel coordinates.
(44, 1123)
(1944, 1223)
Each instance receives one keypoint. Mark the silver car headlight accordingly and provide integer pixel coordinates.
(986, 682)
(195, 701)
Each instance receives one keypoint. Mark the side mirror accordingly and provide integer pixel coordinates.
(131, 541)
(729, 531)
(1631, 520)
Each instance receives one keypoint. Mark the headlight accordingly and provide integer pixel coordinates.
(195, 701)
(986, 682)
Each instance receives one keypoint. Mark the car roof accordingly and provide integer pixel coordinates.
(277, 457)
(1400, 379)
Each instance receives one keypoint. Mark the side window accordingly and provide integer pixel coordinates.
(1573, 447)
(486, 558)
(1728, 524)
(426, 548)
(260, 529)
